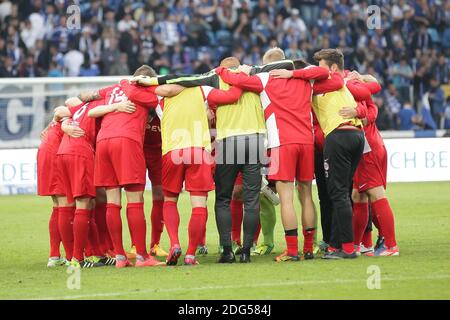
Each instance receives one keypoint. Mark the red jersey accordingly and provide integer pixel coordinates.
(85, 145)
(286, 102)
(53, 138)
(366, 108)
(122, 124)
(369, 110)
(152, 137)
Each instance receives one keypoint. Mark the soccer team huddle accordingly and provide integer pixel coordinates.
(255, 135)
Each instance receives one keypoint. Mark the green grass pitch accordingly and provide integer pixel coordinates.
(422, 271)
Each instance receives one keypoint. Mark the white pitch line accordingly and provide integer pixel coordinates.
(206, 288)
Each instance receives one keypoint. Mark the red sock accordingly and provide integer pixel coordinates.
(80, 232)
(103, 233)
(258, 230)
(114, 223)
(93, 240)
(53, 230)
(292, 245)
(203, 240)
(308, 235)
(237, 214)
(196, 229)
(385, 217)
(172, 221)
(156, 218)
(65, 226)
(367, 239)
(360, 220)
(138, 227)
(348, 247)
(376, 223)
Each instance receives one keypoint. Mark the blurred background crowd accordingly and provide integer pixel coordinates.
(408, 53)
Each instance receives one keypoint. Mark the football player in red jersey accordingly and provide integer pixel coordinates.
(153, 161)
(369, 182)
(76, 165)
(48, 185)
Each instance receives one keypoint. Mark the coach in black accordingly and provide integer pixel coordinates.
(343, 148)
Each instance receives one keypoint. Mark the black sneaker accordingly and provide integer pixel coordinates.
(380, 243)
(226, 258)
(245, 258)
(308, 256)
(338, 255)
(107, 261)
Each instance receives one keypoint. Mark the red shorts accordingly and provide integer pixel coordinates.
(77, 176)
(238, 181)
(292, 162)
(48, 183)
(119, 162)
(371, 171)
(153, 161)
(191, 166)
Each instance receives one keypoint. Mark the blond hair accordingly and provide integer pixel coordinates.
(230, 62)
(273, 54)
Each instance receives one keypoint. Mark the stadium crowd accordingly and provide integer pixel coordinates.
(408, 53)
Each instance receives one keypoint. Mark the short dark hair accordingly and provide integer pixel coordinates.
(331, 56)
(300, 64)
(145, 70)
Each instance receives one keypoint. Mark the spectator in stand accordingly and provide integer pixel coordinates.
(436, 98)
(7, 68)
(447, 115)
(393, 104)
(402, 75)
(441, 69)
(120, 68)
(407, 117)
(73, 60)
(296, 23)
(88, 69)
(27, 68)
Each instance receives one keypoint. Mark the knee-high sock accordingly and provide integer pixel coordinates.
(360, 219)
(237, 214)
(172, 221)
(65, 226)
(138, 227)
(268, 219)
(114, 223)
(376, 222)
(80, 232)
(308, 244)
(196, 229)
(367, 239)
(203, 239)
(53, 230)
(382, 210)
(157, 220)
(291, 237)
(103, 233)
(94, 238)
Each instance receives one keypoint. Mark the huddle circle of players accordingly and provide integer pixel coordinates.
(277, 127)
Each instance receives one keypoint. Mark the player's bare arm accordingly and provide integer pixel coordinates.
(124, 106)
(61, 112)
(86, 96)
(281, 73)
(168, 90)
(71, 130)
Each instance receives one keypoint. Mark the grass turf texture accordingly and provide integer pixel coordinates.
(421, 272)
